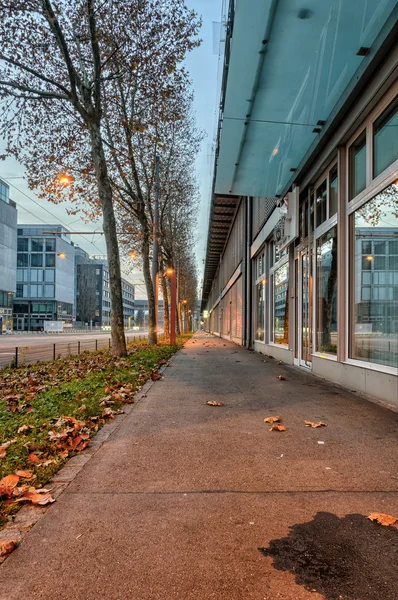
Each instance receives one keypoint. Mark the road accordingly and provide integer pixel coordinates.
(11, 341)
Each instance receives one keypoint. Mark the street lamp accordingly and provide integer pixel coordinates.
(65, 179)
(132, 255)
(61, 255)
(173, 303)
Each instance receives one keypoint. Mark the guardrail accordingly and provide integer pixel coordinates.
(27, 355)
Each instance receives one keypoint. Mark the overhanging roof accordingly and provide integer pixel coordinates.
(289, 65)
(222, 212)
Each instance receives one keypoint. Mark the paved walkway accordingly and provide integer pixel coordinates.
(179, 500)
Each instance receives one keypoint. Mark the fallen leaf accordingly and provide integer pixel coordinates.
(7, 484)
(281, 377)
(3, 452)
(272, 419)
(34, 458)
(24, 428)
(278, 428)
(81, 408)
(214, 403)
(314, 425)
(7, 546)
(25, 474)
(383, 519)
(39, 498)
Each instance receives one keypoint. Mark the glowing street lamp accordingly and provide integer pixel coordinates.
(65, 179)
(132, 255)
(173, 303)
(61, 255)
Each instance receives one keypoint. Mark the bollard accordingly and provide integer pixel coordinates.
(16, 356)
(96, 344)
(78, 347)
(54, 354)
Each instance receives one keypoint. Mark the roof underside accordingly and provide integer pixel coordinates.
(222, 214)
(289, 65)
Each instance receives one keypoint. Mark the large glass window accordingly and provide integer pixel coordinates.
(50, 245)
(321, 203)
(36, 275)
(22, 260)
(358, 165)
(50, 260)
(281, 305)
(375, 281)
(23, 245)
(4, 192)
(49, 291)
(260, 312)
(326, 317)
(333, 191)
(49, 275)
(36, 260)
(385, 139)
(37, 245)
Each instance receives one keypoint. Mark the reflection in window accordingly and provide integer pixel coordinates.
(281, 305)
(333, 192)
(327, 292)
(321, 194)
(23, 245)
(36, 260)
(385, 141)
(375, 318)
(358, 165)
(260, 312)
(37, 245)
(22, 260)
(50, 260)
(50, 245)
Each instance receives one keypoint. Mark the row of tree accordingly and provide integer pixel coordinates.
(93, 93)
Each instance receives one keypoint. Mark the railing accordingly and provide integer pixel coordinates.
(27, 355)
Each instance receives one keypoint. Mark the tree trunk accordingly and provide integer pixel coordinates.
(152, 329)
(166, 319)
(112, 248)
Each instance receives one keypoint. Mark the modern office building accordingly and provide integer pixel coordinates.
(93, 301)
(302, 250)
(45, 264)
(8, 254)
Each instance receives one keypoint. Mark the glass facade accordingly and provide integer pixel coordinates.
(281, 305)
(357, 154)
(260, 332)
(326, 310)
(375, 280)
(385, 139)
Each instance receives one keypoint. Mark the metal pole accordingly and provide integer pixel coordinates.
(155, 258)
(173, 308)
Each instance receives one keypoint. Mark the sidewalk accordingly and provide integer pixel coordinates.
(178, 501)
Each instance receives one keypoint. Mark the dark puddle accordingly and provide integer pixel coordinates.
(349, 558)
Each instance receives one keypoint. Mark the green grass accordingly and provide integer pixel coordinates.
(68, 385)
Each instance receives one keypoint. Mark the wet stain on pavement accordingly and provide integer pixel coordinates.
(349, 558)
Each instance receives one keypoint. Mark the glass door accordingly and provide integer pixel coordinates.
(304, 307)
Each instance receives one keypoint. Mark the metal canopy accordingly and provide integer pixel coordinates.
(222, 213)
(289, 65)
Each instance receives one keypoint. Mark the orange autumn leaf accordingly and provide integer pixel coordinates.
(214, 403)
(7, 485)
(3, 452)
(39, 498)
(278, 428)
(24, 474)
(7, 546)
(272, 419)
(34, 458)
(383, 519)
(314, 425)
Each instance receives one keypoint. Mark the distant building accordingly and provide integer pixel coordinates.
(45, 277)
(93, 299)
(8, 253)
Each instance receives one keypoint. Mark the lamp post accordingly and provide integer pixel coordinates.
(173, 304)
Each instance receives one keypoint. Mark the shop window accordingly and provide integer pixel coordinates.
(36, 260)
(357, 166)
(260, 312)
(385, 139)
(375, 317)
(50, 260)
(321, 203)
(333, 191)
(281, 305)
(23, 245)
(327, 292)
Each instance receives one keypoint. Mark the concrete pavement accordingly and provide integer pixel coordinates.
(180, 499)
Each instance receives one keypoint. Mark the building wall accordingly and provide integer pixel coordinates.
(325, 292)
(8, 252)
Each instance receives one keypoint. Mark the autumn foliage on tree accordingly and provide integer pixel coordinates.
(80, 82)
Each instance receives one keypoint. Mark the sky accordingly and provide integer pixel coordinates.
(204, 69)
